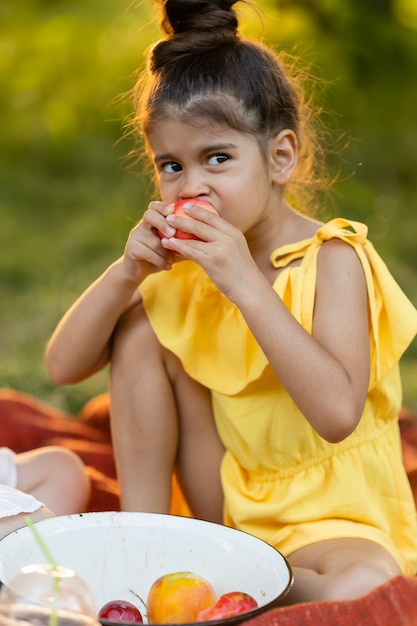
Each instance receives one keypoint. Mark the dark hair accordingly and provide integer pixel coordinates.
(203, 69)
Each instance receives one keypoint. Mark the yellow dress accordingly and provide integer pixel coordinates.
(282, 482)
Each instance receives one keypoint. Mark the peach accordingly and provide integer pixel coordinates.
(179, 210)
(178, 597)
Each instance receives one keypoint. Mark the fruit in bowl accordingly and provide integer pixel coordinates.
(179, 210)
(185, 597)
(120, 611)
(178, 598)
(228, 605)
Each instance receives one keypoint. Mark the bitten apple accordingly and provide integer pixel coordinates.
(228, 605)
(120, 611)
(178, 597)
(179, 210)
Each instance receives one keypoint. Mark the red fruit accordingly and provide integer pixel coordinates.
(229, 604)
(120, 611)
(178, 210)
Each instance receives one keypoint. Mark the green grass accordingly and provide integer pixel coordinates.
(67, 202)
(58, 234)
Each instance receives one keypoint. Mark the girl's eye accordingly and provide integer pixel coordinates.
(217, 159)
(171, 167)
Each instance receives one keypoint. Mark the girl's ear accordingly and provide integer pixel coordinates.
(283, 153)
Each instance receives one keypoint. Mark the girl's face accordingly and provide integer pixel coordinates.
(216, 163)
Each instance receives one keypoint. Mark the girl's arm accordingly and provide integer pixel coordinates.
(326, 373)
(81, 343)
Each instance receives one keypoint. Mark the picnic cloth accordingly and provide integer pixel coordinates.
(27, 422)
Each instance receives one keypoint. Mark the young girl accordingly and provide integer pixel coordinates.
(260, 361)
(40, 483)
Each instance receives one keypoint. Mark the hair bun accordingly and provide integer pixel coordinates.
(181, 16)
(193, 27)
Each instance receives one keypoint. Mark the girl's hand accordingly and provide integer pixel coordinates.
(144, 253)
(220, 248)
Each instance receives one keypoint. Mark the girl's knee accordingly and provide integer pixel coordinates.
(72, 466)
(133, 338)
(355, 580)
(342, 569)
(133, 329)
(70, 475)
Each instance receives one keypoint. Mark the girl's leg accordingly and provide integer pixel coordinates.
(200, 450)
(161, 420)
(55, 476)
(339, 569)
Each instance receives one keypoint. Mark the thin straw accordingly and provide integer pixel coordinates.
(53, 618)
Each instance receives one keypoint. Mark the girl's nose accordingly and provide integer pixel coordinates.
(192, 186)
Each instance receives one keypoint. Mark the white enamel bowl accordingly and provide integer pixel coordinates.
(115, 552)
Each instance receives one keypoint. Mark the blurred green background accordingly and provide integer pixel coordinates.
(68, 198)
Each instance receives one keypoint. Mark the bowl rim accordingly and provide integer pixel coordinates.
(134, 515)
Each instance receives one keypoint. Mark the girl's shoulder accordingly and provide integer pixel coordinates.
(313, 234)
(340, 239)
(342, 228)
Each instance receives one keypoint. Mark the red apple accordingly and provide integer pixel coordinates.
(120, 611)
(228, 605)
(179, 210)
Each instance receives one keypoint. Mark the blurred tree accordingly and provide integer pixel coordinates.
(67, 200)
(367, 51)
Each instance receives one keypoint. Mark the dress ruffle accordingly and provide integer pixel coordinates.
(194, 320)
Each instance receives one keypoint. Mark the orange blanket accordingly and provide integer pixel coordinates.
(26, 423)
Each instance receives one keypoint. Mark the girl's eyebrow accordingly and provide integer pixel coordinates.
(218, 146)
(167, 156)
(163, 156)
